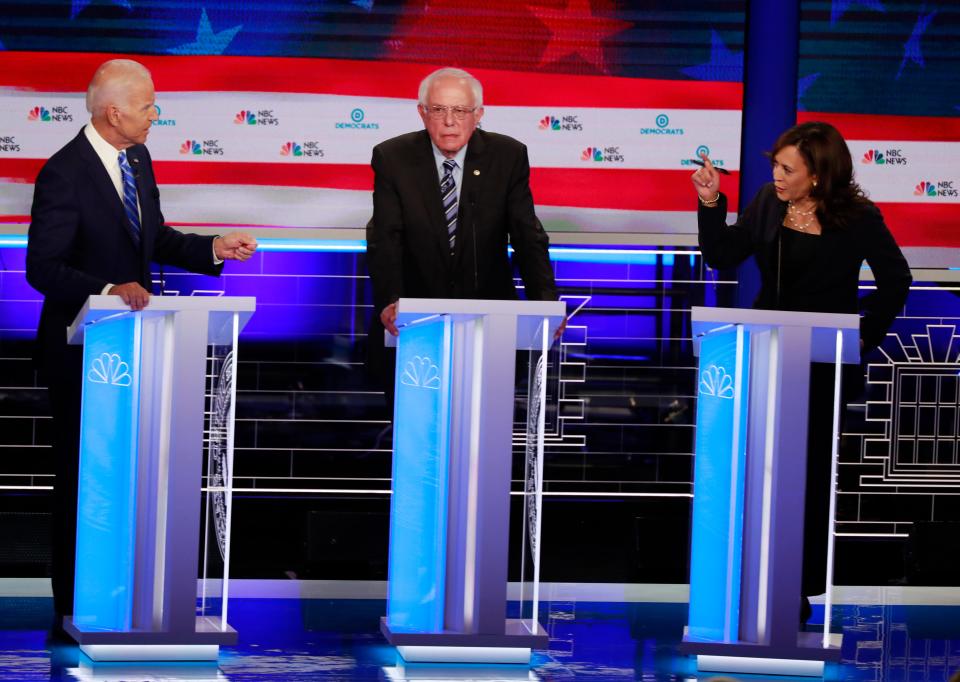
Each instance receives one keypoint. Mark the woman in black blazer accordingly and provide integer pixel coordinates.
(810, 231)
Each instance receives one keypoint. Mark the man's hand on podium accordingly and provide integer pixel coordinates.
(235, 246)
(388, 317)
(132, 294)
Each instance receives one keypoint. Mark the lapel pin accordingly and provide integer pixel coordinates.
(476, 172)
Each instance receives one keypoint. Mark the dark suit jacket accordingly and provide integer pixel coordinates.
(407, 245)
(80, 239)
(829, 287)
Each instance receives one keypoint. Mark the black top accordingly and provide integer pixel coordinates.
(821, 273)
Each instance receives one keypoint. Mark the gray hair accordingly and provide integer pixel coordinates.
(111, 83)
(449, 72)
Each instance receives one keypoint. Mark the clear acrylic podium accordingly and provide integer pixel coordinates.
(153, 382)
(453, 431)
(749, 483)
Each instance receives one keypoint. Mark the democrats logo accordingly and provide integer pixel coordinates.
(307, 149)
(358, 121)
(662, 127)
(889, 157)
(928, 188)
(161, 121)
(702, 149)
(602, 155)
(568, 123)
(201, 148)
(52, 115)
(259, 117)
(8, 143)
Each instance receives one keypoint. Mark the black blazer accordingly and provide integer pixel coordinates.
(80, 239)
(831, 287)
(407, 247)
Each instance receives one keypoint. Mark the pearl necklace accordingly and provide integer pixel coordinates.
(795, 213)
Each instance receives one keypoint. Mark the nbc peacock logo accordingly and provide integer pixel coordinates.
(874, 156)
(191, 147)
(291, 149)
(256, 117)
(305, 149)
(39, 114)
(59, 113)
(564, 122)
(549, 123)
(925, 189)
(602, 155)
(591, 154)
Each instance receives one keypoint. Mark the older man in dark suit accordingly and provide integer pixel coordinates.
(95, 227)
(447, 200)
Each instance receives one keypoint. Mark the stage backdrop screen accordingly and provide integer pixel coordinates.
(887, 74)
(268, 111)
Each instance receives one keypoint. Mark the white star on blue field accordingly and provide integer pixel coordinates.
(207, 41)
(838, 7)
(911, 48)
(79, 5)
(724, 64)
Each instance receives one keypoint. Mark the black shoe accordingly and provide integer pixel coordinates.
(805, 610)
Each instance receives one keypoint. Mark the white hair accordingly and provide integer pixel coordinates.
(111, 84)
(450, 72)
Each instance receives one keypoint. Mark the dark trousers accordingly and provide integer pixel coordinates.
(816, 522)
(64, 384)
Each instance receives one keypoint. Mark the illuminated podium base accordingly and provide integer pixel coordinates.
(807, 658)
(514, 645)
(145, 645)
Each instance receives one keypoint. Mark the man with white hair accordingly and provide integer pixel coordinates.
(446, 200)
(95, 228)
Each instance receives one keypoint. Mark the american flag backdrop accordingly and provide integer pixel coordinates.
(268, 111)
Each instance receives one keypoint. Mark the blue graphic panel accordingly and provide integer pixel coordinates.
(418, 508)
(717, 529)
(106, 509)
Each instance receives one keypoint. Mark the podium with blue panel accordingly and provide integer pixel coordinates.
(453, 447)
(153, 486)
(749, 483)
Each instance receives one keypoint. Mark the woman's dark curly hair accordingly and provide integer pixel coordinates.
(839, 199)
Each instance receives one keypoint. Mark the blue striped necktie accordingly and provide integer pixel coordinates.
(448, 190)
(130, 197)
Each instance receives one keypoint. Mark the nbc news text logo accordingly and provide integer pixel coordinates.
(59, 114)
(259, 117)
(307, 149)
(569, 123)
(201, 148)
(889, 157)
(8, 143)
(662, 122)
(602, 155)
(929, 188)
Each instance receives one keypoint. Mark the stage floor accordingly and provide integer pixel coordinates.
(905, 634)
